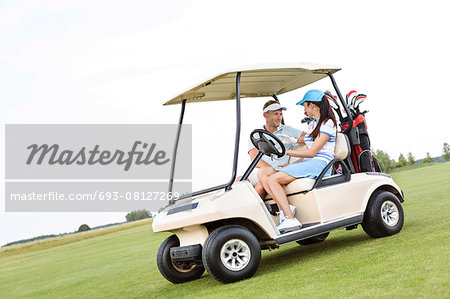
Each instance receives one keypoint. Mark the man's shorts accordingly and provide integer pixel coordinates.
(253, 177)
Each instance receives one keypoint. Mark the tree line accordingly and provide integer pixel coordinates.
(388, 164)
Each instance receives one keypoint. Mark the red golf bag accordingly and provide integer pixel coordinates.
(361, 156)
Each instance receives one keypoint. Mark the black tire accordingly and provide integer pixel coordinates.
(377, 226)
(176, 272)
(313, 240)
(235, 236)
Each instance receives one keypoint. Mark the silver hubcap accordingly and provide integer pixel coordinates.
(389, 213)
(235, 255)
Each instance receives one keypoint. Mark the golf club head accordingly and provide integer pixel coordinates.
(348, 97)
(332, 101)
(359, 99)
(352, 102)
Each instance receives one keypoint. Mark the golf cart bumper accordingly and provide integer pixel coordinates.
(186, 253)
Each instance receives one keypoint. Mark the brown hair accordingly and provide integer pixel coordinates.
(268, 103)
(326, 113)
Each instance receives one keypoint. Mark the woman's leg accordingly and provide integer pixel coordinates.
(263, 174)
(275, 183)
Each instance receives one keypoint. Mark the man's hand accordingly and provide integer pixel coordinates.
(287, 139)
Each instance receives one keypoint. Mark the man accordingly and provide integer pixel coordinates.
(273, 113)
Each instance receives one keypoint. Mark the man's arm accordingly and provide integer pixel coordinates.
(253, 152)
(301, 138)
(296, 133)
(310, 152)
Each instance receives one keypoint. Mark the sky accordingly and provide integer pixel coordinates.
(119, 61)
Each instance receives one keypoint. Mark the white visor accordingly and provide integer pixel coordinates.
(274, 107)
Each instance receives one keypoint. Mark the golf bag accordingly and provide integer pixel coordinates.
(361, 156)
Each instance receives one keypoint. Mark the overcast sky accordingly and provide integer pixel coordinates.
(118, 61)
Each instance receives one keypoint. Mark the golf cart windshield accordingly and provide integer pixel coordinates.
(252, 82)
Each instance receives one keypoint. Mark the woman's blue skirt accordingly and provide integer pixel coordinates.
(305, 169)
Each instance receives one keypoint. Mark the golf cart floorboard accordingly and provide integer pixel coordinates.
(319, 229)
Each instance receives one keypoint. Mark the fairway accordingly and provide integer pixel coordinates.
(122, 262)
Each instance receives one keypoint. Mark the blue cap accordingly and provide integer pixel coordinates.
(314, 95)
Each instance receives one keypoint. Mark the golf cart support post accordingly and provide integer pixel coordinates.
(227, 186)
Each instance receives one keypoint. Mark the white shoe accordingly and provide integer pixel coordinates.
(289, 225)
(281, 213)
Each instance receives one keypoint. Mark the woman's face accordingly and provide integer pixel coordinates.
(310, 109)
(307, 108)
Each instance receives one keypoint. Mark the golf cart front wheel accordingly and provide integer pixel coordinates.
(231, 253)
(383, 216)
(313, 240)
(176, 272)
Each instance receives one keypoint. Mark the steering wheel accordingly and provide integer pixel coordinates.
(267, 145)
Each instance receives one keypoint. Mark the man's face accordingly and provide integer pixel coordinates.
(273, 118)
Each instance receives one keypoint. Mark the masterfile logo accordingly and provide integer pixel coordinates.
(96, 151)
(110, 168)
(54, 155)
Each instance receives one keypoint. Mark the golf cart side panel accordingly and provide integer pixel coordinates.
(307, 207)
(333, 202)
(345, 199)
(240, 202)
(384, 182)
(349, 198)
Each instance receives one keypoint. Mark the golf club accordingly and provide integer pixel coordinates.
(348, 96)
(333, 102)
(359, 99)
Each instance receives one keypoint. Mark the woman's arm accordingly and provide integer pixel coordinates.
(310, 152)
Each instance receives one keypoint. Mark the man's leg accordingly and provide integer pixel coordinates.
(260, 189)
(254, 180)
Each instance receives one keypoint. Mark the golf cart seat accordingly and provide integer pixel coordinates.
(341, 151)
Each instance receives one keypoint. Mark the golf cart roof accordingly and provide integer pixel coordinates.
(257, 81)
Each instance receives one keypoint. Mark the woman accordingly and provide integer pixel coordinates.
(320, 139)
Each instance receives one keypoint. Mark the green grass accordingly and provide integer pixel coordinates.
(413, 166)
(412, 264)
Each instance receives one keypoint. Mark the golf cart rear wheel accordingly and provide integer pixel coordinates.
(176, 272)
(231, 253)
(313, 240)
(383, 216)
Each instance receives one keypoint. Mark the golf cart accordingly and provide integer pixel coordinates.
(224, 228)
